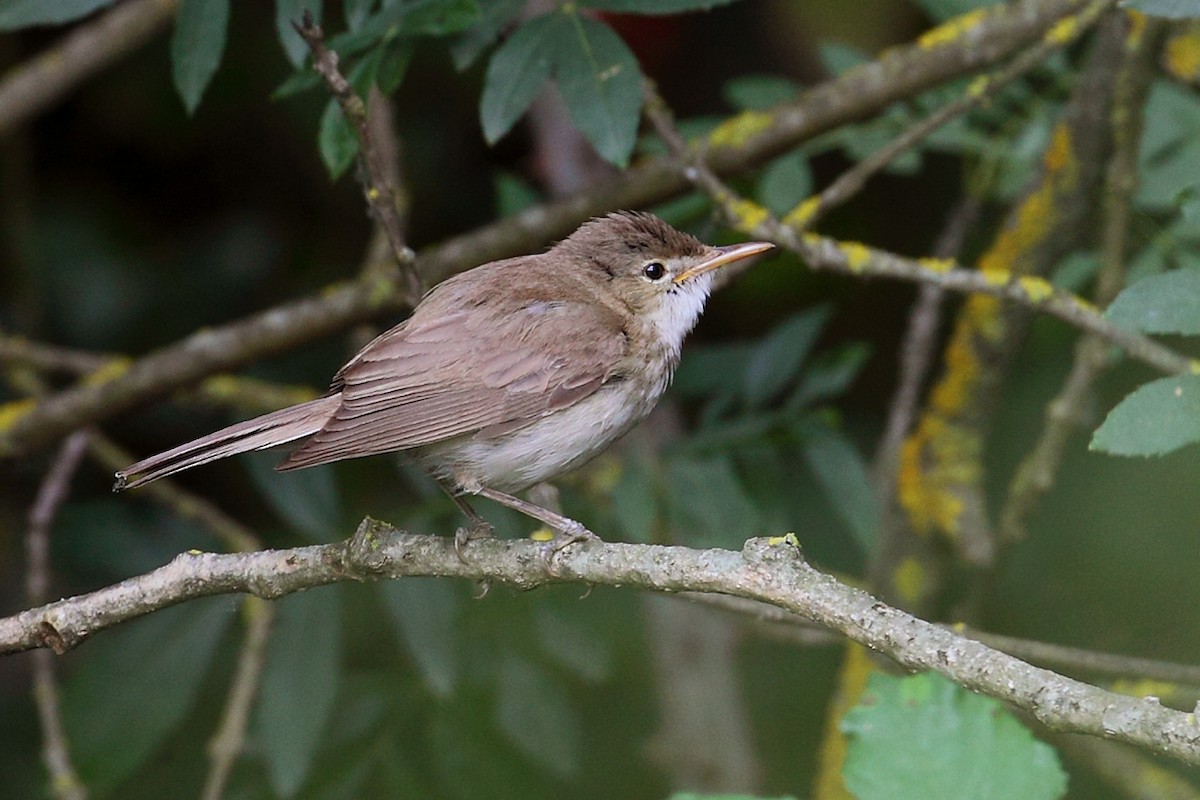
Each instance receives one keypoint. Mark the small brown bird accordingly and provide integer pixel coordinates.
(506, 375)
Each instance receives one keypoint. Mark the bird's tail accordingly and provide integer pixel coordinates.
(278, 427)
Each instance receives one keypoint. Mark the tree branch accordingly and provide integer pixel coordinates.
(33, 87)
(771, 571)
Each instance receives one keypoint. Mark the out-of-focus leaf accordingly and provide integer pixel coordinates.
(299, 81)
(601, 85)
(707, 369)
(300, 682)
(635, 500)
(829, 374)
(16, 14)
(516, 73)
(1170, 146)
(437, 17)
(495, 16)
(785, 182)
(336, 140)
(292, 11)
(1155, 419)
(842, 473)
(463, 747)
(136, 686)
(197, 46)
(654, 6)
(708, 506)
(1075, 271)
(513, 194)
(1166, 303)
(777, 359)
(425, 614)
(393, 65)
(921, 736)
(357, 12)
(694, 796)
(839, 58)
(307, 499)
(1173, 9)
(759, 92)
(534, 713)
(571, 645)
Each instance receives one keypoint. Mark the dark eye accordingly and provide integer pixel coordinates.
(654, 271)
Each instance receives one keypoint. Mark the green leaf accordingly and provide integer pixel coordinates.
(357, 12)
(922, 737)
(786, 181)
(496, 16)
(393, 65)
(287, 12)
(424, 612)
(838, 58)
(570, 644)
(299, 81)
(438, 17)
(516, 73)
(513, 194)
(307, 499)
(300, 682)
(777, 359)
(709, 369)
(694, 796)
(708, 506)
(535, 714)
(654, 6)
(601, 84)
(759, 92)
(845, 481)
(1170, 146)
(24, 13)
(196, 47)
(1155, 419)
(136, 685)
(1174, 9)
(635, 501)
(829, 374)
(1166, 303)
(336, 140)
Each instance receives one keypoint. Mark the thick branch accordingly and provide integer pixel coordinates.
(772, 571)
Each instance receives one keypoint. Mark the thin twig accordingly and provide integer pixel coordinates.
(855, 258)
(56, 752)
(982, 89)
(378, 188)
(765, 570)
(49, 357)
(1130, 773)
(44, 80)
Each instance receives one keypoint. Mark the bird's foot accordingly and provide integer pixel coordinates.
(567, 535)
(479, 529)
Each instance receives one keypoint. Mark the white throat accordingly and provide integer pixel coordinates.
(679, 309)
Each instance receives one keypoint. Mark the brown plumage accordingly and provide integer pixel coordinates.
(505, 375)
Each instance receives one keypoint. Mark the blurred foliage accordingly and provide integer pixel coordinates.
(131, 218)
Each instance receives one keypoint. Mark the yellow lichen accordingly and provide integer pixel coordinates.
(1036, 289)
(1137, 27)
(111, 369)
(858, 255)
(1063, 31)
(1181, 56)
(13, 411)
(542, 534)
(950, 30)
(977, 87)
(909, 580)
(803, 212)
(787, 538)
(939, 265)
(747, 215)
(1144, 688)
(737, 130)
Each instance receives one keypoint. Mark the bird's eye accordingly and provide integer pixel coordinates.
(654, 271)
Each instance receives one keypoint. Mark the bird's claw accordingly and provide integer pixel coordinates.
(478, 530)
(562, 540)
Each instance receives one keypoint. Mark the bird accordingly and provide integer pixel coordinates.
(506, 375)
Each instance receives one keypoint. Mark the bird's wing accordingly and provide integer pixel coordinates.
(462, 372)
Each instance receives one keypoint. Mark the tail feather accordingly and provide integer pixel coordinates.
(278, 427)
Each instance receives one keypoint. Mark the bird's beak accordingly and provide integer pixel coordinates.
(722, 256)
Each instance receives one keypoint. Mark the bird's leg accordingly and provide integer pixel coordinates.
(569, 531)
(479, 528)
